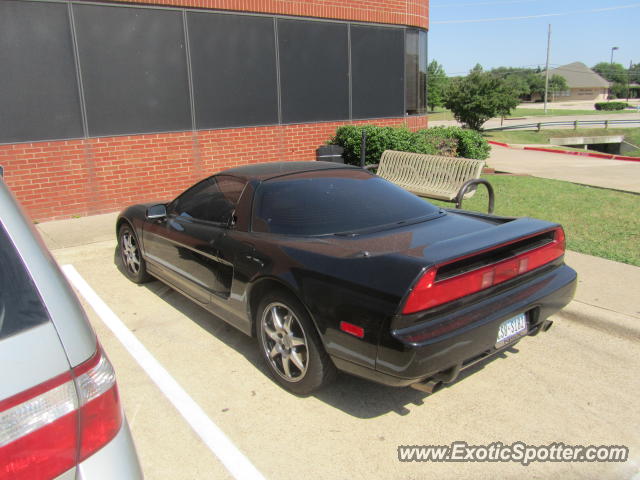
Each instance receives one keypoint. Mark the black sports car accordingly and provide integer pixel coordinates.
(332, 267)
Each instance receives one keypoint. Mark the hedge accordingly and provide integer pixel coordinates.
(447, 141)
(611, 105)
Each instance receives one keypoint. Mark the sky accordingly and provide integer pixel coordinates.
(493, 33)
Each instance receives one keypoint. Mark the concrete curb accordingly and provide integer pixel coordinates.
(602, 319)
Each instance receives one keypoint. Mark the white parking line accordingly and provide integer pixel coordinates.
(238, 465)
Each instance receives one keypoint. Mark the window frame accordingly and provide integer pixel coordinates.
(172, 206)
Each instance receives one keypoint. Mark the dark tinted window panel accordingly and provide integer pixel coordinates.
(38, 86)
(377, 66)
(233, 60)
(213, 199)
(334, 201)
(20, 304)
(313, 70)
(134, 69)
(416, 71)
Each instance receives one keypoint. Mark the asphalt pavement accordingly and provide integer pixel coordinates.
(576, 384)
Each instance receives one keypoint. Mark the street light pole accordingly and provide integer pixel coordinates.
(612, 50)
(629, 80)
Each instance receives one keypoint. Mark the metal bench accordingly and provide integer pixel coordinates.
(443, 178)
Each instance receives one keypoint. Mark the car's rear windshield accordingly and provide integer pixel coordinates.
(337, 201)
(20, 305)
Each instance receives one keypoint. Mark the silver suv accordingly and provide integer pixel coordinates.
(60, 412)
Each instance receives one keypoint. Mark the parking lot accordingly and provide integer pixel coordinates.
(574, 385)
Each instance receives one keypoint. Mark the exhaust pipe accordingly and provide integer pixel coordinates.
(546, 325)
(428, 386)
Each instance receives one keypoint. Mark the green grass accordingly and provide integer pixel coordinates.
(631, 135)
(440, 115)
(599, 222)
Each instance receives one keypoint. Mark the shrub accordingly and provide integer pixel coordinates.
(611, 105)
(470, 143)
(447, 141)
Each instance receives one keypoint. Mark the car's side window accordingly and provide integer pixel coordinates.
(212, 200)
(20, 305)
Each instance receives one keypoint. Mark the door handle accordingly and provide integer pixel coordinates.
(254, 259)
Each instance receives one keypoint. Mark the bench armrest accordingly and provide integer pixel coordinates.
(468, 184)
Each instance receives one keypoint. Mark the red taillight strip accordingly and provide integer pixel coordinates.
(428, 293)
(39, 427)
(37, 412)
(100, 413)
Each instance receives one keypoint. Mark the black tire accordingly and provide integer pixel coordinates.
(290, 345)
(133, 264)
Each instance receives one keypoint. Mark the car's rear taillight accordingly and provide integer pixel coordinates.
(47, 429)
(429, 292)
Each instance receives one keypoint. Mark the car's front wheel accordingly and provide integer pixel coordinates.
(290, 345)
(132, 262)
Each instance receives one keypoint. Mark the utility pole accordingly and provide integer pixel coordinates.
(546, 79)
(629, 79)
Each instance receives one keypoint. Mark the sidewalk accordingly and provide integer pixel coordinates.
(606, 299)
(496, 122)
(615, 174)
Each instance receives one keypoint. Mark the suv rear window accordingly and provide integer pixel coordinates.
(334, 201)
(20, 305)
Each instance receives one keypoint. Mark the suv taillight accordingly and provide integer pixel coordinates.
(429, 292)
(47, 429)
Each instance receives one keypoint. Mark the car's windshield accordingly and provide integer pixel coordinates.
(332, 202)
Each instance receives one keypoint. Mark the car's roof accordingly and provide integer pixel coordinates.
(265, 171)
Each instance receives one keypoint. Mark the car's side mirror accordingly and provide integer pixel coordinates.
(157, 212)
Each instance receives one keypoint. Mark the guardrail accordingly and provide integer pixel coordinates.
(575, 123)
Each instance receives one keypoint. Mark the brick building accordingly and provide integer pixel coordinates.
(107, 104)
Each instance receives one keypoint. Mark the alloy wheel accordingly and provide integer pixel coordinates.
(284, 342)
(130, 252)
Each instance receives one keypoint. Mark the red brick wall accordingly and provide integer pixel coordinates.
(97, 175)
(400, 12)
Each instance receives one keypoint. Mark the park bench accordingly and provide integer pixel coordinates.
(442, 178)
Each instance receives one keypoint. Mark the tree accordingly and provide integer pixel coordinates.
(536, 84)
(634, 73)
(478, 97)
(557, 83)
(614, 72)
(436, 84)
(518, 85)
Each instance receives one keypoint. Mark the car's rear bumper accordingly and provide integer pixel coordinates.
(413, 354)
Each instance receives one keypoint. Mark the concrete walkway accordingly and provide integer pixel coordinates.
(616, 174)
(496, 122)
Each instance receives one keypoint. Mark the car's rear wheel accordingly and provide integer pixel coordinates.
(132, 262)
(291, 346)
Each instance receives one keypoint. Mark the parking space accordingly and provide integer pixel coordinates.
(573, 385)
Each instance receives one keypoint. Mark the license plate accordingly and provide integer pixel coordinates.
(511, 330)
